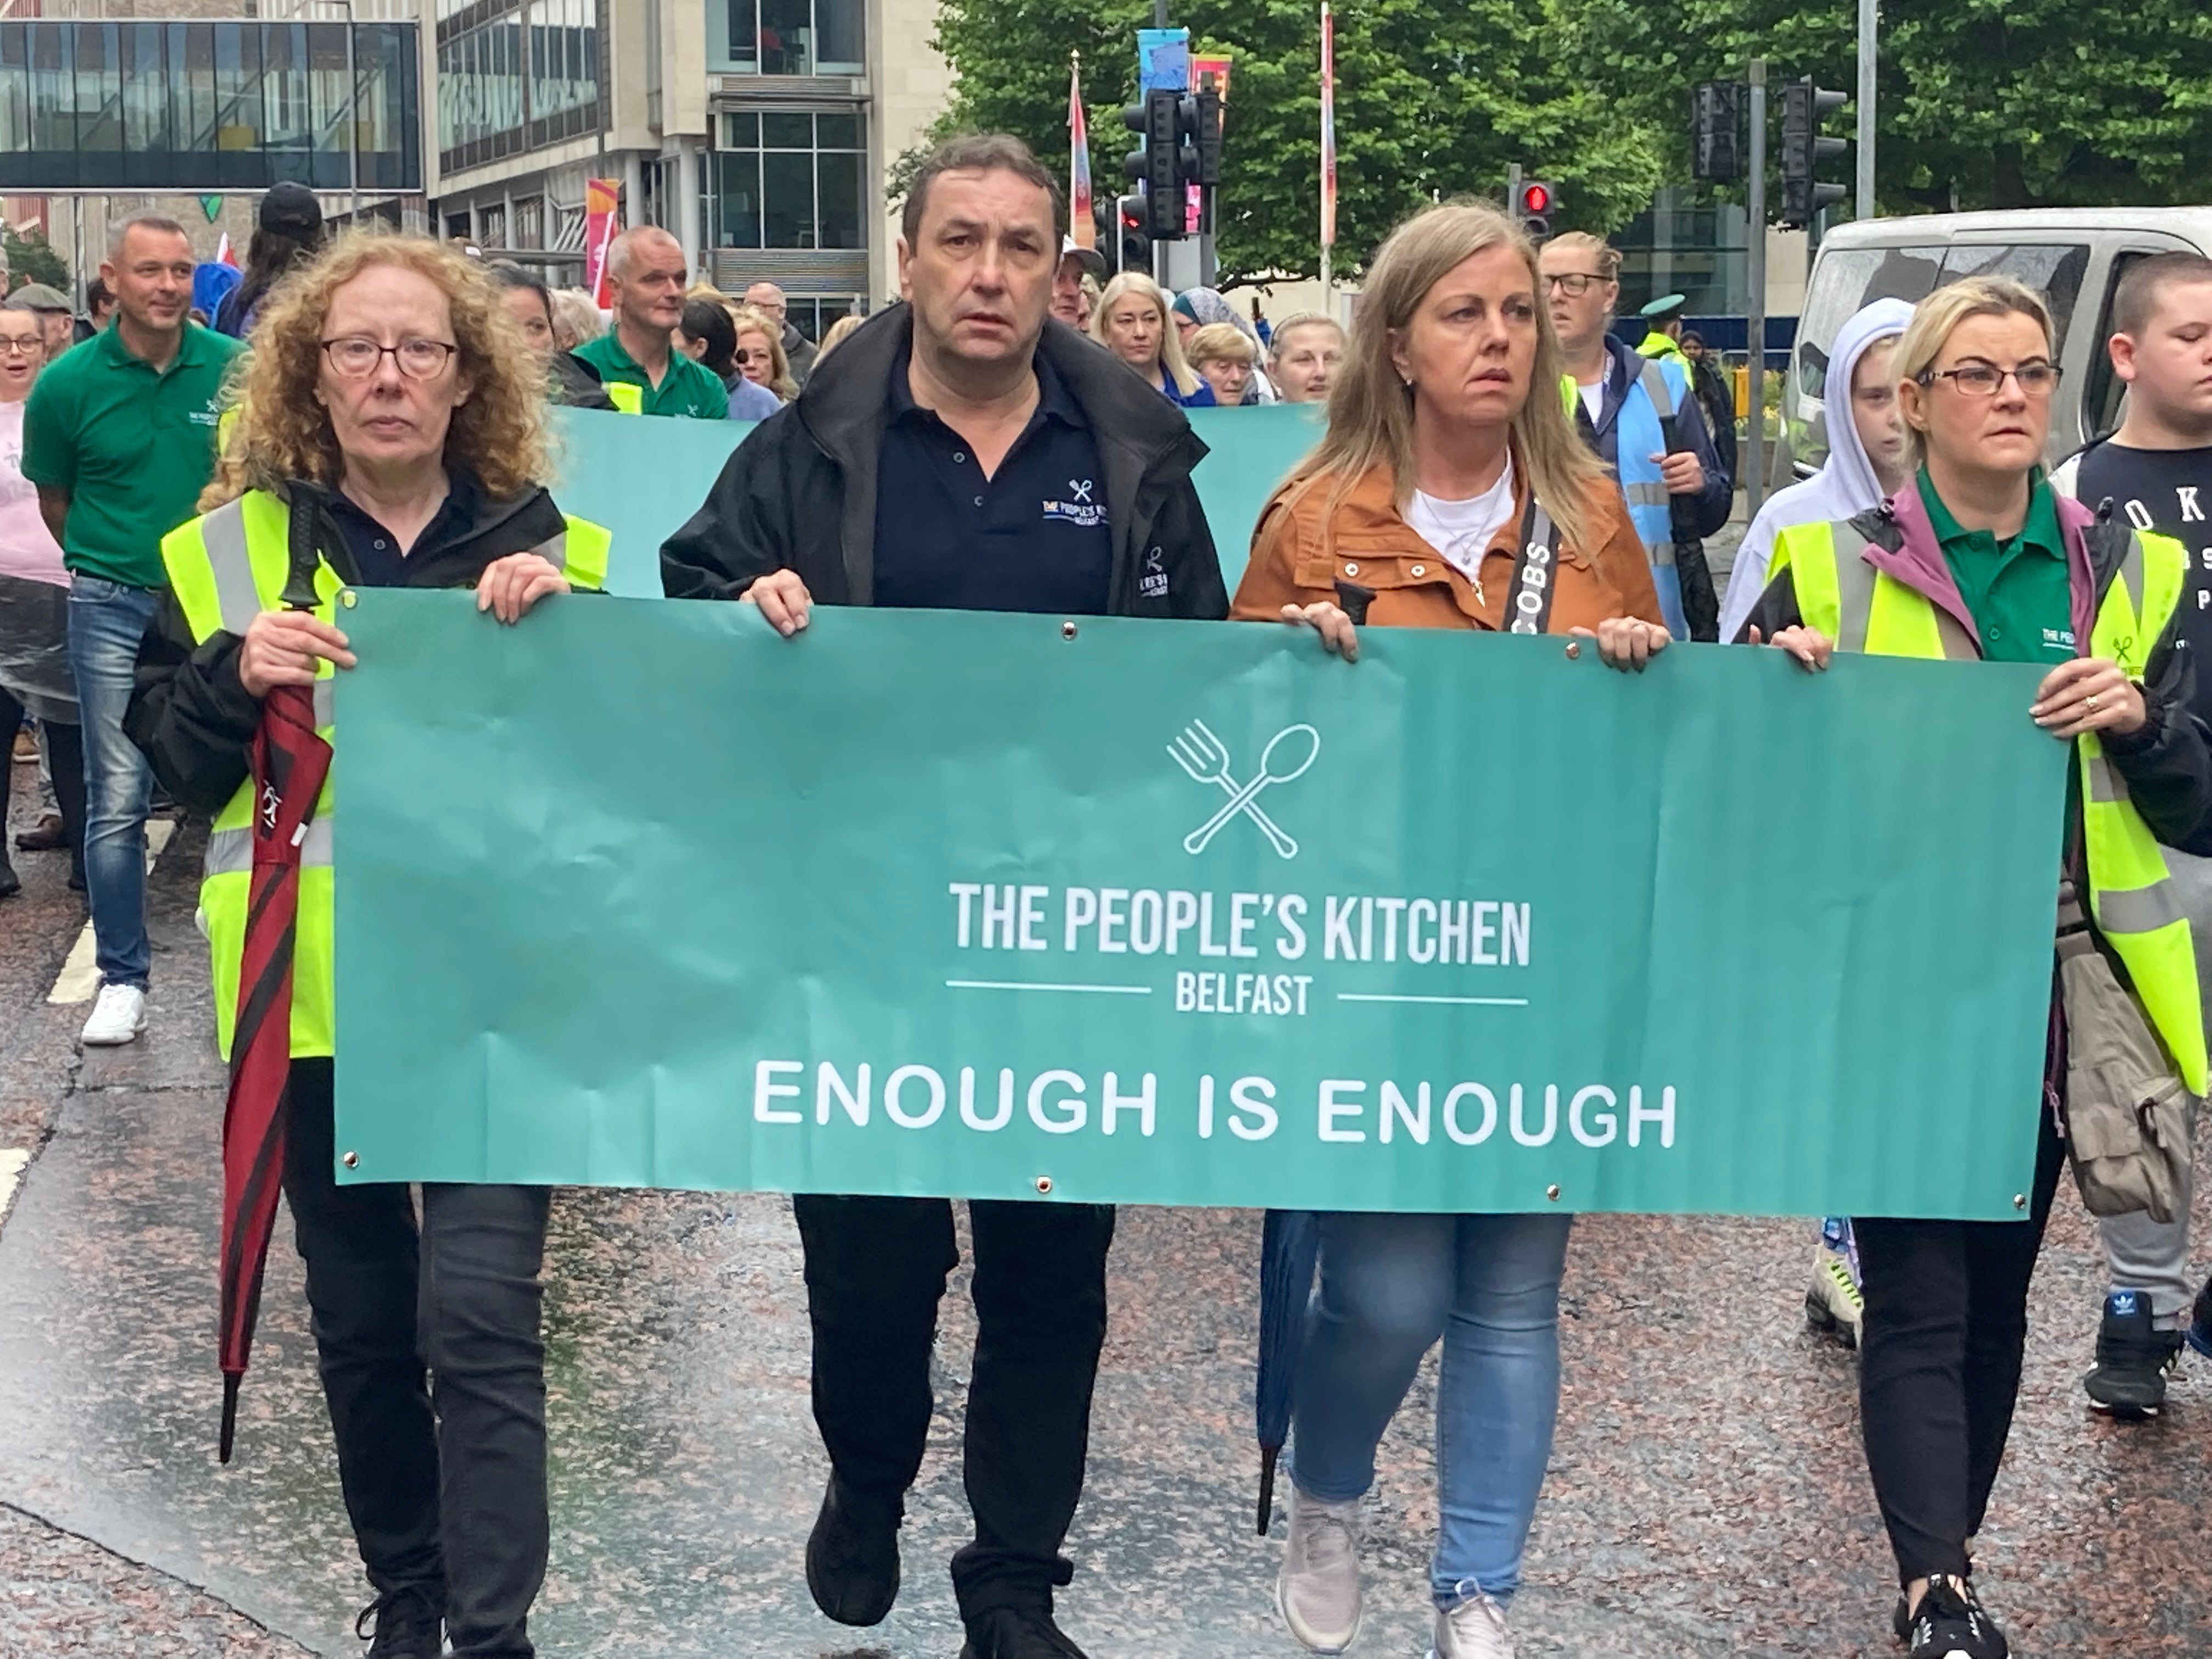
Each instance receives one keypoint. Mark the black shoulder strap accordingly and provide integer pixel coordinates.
(1529, 610)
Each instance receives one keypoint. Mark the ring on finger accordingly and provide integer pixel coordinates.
(2091, 705)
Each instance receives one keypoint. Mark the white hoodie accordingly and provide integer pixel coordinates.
(1843, 488)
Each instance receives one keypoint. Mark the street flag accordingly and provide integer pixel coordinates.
(1080, 224)
(1328, 127)
(602, 222)
(223, 256)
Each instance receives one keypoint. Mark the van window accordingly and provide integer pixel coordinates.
(1852, 278)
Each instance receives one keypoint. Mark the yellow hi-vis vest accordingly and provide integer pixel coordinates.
(628, 399)
(2131, 894)
(227, 567)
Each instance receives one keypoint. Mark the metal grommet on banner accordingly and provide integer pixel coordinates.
(348, 598)
(1044, 1184)
(353, 1160)
(1067, 630)
(1574, 649)
(2020, 1200)
(1551, 1192)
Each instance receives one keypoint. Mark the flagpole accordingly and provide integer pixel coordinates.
(1328, 157)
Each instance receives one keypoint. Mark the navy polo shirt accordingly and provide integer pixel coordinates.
(1032, 537)
(377, 560)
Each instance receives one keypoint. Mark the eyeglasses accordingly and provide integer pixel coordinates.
(1576, 283)
(23, 348)
(2036, 380)
(356, 356)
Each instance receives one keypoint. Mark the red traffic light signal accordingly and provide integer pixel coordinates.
(1535, 198)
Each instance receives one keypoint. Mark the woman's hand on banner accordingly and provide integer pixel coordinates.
(1625, 642)
(783, 600)
(283, 647)
(2090, 694)
(509, 586)
(1808, 645)
(1327, 619)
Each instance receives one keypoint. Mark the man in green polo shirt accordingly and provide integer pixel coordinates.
(119, 437)
(2018, 590)
(645, 275)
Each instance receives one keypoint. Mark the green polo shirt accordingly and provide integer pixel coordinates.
(2020, 592)
(688, 388)
(132, 445)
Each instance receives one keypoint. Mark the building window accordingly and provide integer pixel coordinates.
(492, 225)
(458, 229)
(168, 107)
(530, 223)
(514, 75)
(787, 37)
(786, 180)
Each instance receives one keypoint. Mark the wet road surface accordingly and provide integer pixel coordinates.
(1707, 1497)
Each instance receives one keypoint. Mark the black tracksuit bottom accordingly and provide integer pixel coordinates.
(1946, 1323)
(876, 1270)
(443, 1480)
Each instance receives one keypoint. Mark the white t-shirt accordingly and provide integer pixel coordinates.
(1462, 531)
(1594, 399)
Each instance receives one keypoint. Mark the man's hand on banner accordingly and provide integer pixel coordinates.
(1625, 642)
(1808, 645)
(509, 586)
(783, 600)
(283, 647)
(1327, 619)
(2089, 694)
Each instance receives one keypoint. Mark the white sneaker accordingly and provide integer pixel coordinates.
(1475, 1629)
(117, 1018)
(1318, 1590)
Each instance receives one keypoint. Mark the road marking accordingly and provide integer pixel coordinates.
(1450, 1002)
(79, 980)
(13, 1160)
(1024, 985)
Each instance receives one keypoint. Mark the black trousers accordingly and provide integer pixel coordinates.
(876, 1270)
(444, 1476)
(66, 752)
(1945, 1326)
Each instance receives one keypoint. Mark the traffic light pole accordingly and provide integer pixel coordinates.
(1868, 24)
(1754, 439)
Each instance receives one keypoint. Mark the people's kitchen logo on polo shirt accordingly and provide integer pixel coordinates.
(1079, 509)
(211, 416)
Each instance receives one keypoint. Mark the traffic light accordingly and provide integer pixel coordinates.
(1125, 218)
(1717, 114)
(1206, 131)
(1533, 205)
(1804, 107)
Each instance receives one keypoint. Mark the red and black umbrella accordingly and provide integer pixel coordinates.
(290, 762)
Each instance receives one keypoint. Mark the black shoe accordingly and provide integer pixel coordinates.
(44, 836)
(410, 1622)
(2200, 1321)
(1018, 1633)
(852, 1556)
(1950, 1624)
(2133, 1359)
(10, 883)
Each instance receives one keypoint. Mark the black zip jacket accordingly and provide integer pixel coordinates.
(194, 721)
(2167, 763)
(799, 493)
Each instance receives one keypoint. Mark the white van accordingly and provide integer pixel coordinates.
(2073, 257)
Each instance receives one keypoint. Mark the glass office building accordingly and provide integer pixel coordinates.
(207, 107)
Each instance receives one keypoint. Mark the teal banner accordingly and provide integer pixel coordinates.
(1176, 913)
(602, 456)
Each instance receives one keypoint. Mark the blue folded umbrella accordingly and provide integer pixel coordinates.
(1290, 1250)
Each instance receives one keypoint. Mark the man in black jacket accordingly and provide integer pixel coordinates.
(962, 452)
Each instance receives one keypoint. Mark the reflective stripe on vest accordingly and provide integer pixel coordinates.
(1637, 437)
(2131, 893)
(226, 568)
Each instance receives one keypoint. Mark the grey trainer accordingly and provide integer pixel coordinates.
(1474, 1629)
(1319, 1589)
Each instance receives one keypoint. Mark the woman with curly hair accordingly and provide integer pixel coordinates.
(390, 433)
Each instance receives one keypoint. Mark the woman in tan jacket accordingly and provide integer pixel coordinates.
(1444, 429)
(1450, 492)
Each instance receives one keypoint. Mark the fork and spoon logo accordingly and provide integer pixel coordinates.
(1289, 753)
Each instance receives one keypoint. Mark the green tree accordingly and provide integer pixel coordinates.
(31, 260)
(1434, 98)
(1982, 103)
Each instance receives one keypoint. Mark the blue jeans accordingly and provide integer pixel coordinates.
(1391, 1286)
(107, 621)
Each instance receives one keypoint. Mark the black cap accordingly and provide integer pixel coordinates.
(290, 209)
